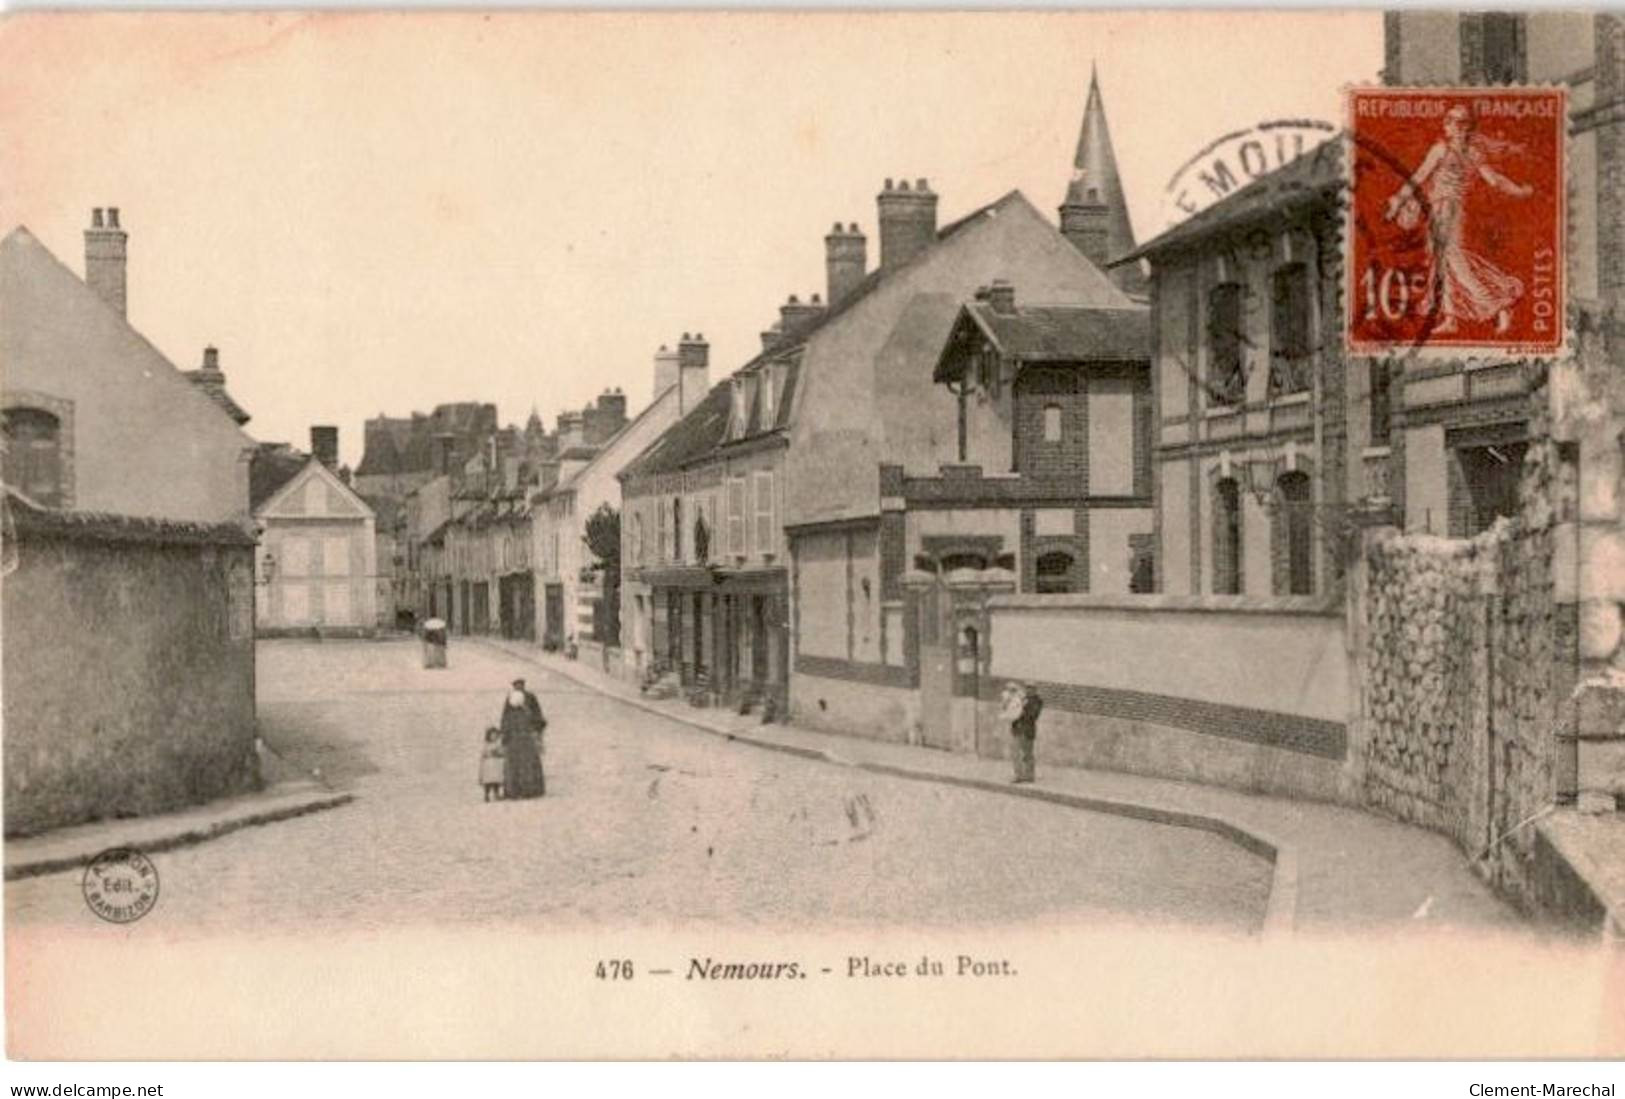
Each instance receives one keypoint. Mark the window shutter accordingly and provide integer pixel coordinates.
(736, 515)
(764, 513)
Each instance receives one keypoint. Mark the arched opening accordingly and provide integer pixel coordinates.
(952, 561)
(1053, 573)
(1227, 537)
(1297, 529)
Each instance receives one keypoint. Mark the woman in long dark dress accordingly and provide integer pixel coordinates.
(522, 725)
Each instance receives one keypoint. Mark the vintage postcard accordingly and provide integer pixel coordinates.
(752, 535)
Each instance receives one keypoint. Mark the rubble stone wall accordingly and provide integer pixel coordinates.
(1463, 685)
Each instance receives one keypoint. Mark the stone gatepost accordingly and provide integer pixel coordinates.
(1588, 422)
(970, 591)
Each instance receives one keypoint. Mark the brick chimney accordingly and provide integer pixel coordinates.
(846, 255)
(908, 222)
(572, 430)
(666, 370)
(611, 411)
(694, 366)
(105, 254)
(324, 445)
(796, 316)
(1002, 296)
(773, 338)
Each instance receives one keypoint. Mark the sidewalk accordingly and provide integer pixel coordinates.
(287, 794)
(1336, 869)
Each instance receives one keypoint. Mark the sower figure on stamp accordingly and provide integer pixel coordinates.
(1024, 730)
(1462, 285)
(522, 726)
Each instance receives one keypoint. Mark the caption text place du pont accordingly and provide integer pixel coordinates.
(857, 965)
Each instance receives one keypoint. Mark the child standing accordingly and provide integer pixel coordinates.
(491, 761)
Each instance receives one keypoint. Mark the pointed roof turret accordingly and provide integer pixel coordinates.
(1094, 215)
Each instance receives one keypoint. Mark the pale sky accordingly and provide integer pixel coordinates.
(379, 212)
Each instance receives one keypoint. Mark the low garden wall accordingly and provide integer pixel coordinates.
(1245, 692)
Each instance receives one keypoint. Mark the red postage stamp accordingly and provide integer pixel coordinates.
(1455, 239)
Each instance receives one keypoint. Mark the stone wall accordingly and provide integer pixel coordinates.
(1463, 683)
(1249, 692)
(128, 670)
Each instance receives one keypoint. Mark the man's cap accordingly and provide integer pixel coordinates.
(519, 682)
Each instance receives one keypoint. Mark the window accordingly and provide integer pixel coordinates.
(1381, 424)
(1054, 573)
(664, 519)
(1226, 377)
(638, 547)
(1297, 527)
(736, 516)
(676, 529)
(1052, 423)
(702, 538)
(294, 557)
(765, 542)
(1503, 47)
(33, 455)
(769, 402)
(1227, 538)
(1289, 330)
(336, 556)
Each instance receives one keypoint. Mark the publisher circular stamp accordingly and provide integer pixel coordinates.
(121, 885)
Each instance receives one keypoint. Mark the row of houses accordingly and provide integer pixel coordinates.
(1149, 478)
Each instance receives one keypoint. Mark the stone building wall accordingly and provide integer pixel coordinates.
(128, 669)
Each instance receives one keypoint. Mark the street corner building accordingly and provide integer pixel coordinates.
(318, 558)
(973, 424)
(128, 608)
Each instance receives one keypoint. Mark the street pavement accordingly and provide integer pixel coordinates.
(647, 822)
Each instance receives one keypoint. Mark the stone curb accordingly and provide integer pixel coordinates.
(1280, 911)
(199, 834)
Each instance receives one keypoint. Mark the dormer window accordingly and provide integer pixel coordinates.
(768, 403)
(738, 422)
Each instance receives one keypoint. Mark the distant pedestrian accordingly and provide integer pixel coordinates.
(492, 764)
(1009, 710)
(1024, 731)
(522, 727)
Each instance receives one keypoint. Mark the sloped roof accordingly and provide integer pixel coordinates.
(1317, 173)
(705, 428)
(321, 471)
(273, 465)
(1060, 333)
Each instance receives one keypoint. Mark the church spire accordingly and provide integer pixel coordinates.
(1094, 216)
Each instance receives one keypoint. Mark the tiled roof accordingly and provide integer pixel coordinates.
(1065, 332)
(692, 437)
(1315, 173)
(705, 428)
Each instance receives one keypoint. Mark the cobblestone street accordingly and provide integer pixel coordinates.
(646, 822)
